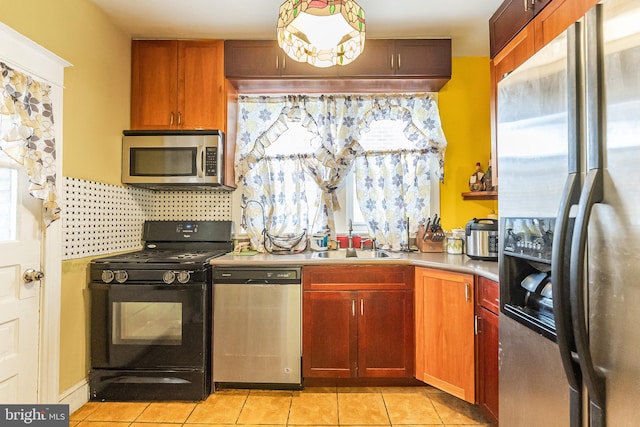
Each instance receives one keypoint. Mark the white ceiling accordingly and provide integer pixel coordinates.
(464, 21)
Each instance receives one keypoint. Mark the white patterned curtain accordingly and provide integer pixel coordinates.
(27, 134)
(393, 185)
(280, 184)
(262, 121)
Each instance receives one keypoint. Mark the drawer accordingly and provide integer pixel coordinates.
(489, 294)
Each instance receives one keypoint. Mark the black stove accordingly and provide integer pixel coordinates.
(174, 252)
(151, 314)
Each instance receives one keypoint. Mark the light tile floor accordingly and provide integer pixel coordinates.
(312, 407)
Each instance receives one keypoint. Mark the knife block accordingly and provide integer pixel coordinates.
(430, 246)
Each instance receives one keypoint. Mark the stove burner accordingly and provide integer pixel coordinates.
(169, 256)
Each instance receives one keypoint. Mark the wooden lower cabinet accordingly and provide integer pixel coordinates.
(329, 334)
(488, 363)
(444, 327)
(487, 309)
(357, 329)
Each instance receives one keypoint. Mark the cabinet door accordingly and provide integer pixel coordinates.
(445, 339)
(506, 22)
(424, 58)
(488, 363)
(154, 66)
(557, 17)
(201, 85)
(385, 334)
(374, 61)
(252, 58)
(329, 334)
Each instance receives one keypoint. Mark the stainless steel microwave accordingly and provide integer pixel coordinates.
(173, 160)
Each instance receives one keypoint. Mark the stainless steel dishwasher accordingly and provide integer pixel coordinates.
(257, 327)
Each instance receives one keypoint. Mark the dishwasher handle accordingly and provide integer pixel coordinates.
(257, 282)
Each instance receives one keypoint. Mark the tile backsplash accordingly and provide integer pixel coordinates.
(99, 219)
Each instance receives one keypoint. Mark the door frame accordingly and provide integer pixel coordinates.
(27, 56)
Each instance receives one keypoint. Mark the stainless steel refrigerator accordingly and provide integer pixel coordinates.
(569, 205)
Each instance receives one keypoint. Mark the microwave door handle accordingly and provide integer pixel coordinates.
(200, 166)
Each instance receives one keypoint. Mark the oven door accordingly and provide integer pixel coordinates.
(150, 326)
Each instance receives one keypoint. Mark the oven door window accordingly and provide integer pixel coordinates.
(150, 326)
(151, 323)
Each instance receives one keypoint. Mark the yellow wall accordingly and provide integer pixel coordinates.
(96, 110)
(97, 86)
(464, 111)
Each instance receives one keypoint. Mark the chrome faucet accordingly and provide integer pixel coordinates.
(351, 251)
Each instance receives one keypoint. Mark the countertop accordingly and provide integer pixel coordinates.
(439, 260)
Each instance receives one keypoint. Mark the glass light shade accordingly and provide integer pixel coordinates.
(321, 32)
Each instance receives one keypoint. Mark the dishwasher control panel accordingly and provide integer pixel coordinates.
(249, 274)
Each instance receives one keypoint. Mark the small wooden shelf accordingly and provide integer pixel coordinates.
(480, 195)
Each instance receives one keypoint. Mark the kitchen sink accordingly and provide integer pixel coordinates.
(360, 254)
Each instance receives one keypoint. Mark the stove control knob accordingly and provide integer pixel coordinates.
(121, 276)
(107, 276)
(169, 277)
(183, 276)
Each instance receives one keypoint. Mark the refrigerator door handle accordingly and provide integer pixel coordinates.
(592, 193)
(561, 300)
(593, 379)
(563, 232)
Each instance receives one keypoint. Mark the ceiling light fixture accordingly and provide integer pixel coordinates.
(321, 32)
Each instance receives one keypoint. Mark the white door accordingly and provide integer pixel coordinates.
(20, 250)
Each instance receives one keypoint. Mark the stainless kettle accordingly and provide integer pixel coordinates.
(482, 239)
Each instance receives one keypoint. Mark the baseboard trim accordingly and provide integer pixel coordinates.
(75, 396)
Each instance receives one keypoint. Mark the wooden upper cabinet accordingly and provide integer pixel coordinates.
(201, 85)
(425, 58)
(250, 59)
(178, 84)
(515, 53)
(444, 327)
(375, 60)
(558, 17)
(381, 59)
(402, 58)
(154, 84)
(509, 19)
